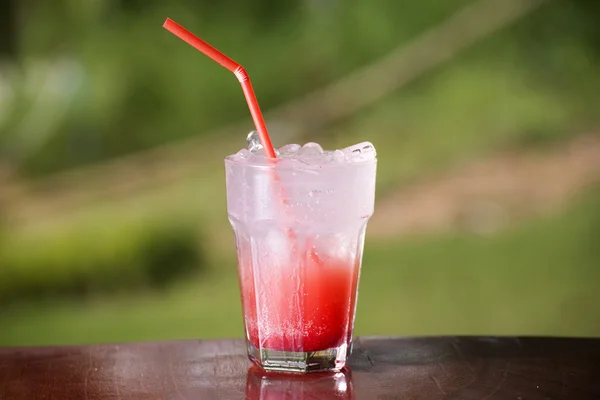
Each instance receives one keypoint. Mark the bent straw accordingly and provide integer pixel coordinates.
(238, 71)
(244, 80)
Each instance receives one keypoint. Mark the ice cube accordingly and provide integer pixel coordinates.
(333, 246)
(243, 154)
(338, 156)
(331, 157)
(364, 151)
(310, 154)
(254, 143)
(276, 248)
(289, 149)
(258, 157)
(311, 149)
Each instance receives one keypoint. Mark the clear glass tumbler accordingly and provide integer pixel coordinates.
(299, 233)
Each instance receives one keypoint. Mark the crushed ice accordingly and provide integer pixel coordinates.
(309, 154)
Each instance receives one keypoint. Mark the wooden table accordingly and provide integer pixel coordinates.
(381, 368)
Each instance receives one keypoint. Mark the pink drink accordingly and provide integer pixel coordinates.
(299, 241)
(310, 311)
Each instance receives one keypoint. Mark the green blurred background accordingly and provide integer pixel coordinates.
(485, 115)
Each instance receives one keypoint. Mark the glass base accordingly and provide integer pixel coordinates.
(332, 359)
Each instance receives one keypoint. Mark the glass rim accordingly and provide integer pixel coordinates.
(316, 167)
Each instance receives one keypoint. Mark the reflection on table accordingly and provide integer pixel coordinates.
(262, 385)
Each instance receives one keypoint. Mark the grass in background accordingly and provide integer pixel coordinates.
(538, 278)
(542, 277)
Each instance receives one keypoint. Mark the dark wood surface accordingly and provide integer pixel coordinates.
(381, 368)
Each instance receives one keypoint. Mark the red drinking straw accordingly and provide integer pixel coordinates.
(237, 70)
(242, 76)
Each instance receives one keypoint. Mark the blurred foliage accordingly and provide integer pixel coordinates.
(133, 86)
(121, 258)
(560, 47)
(101, 79)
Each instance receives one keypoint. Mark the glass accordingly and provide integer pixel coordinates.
(299, 233)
